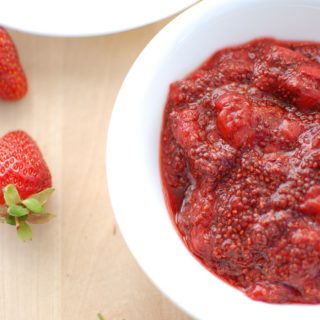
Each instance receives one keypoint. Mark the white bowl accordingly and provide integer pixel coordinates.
(76, 18)
(133, 148)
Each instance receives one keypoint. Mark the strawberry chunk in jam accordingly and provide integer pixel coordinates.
(240, 165)
(288, 75)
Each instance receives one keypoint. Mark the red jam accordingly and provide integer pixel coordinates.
(240, 164)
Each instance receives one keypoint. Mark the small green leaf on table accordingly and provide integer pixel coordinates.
(100, 316)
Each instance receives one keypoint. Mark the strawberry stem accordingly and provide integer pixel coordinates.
(17, 223)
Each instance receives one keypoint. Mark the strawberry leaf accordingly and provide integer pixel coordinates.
(11, 195)
(43, 196)
(40, 218)
(100, 316)
(23, 218)
(11, 220)
(24, 231)
(33, 205)
(17, 211)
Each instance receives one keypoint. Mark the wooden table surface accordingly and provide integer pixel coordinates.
(78, 264)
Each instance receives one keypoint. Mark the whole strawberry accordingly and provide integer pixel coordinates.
(25, 181)
(13, 82)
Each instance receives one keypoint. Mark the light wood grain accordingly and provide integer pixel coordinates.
(78, 264)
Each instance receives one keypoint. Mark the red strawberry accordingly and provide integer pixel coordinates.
(25, 180)
(13, 82)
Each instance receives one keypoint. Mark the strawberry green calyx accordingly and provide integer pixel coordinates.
(24, 231)
(19, 212)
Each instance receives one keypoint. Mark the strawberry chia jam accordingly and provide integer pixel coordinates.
(240, 164)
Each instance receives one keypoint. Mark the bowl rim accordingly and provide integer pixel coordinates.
(76, 28)
(166, 37)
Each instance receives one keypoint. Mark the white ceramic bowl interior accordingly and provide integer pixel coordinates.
(133, 148)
